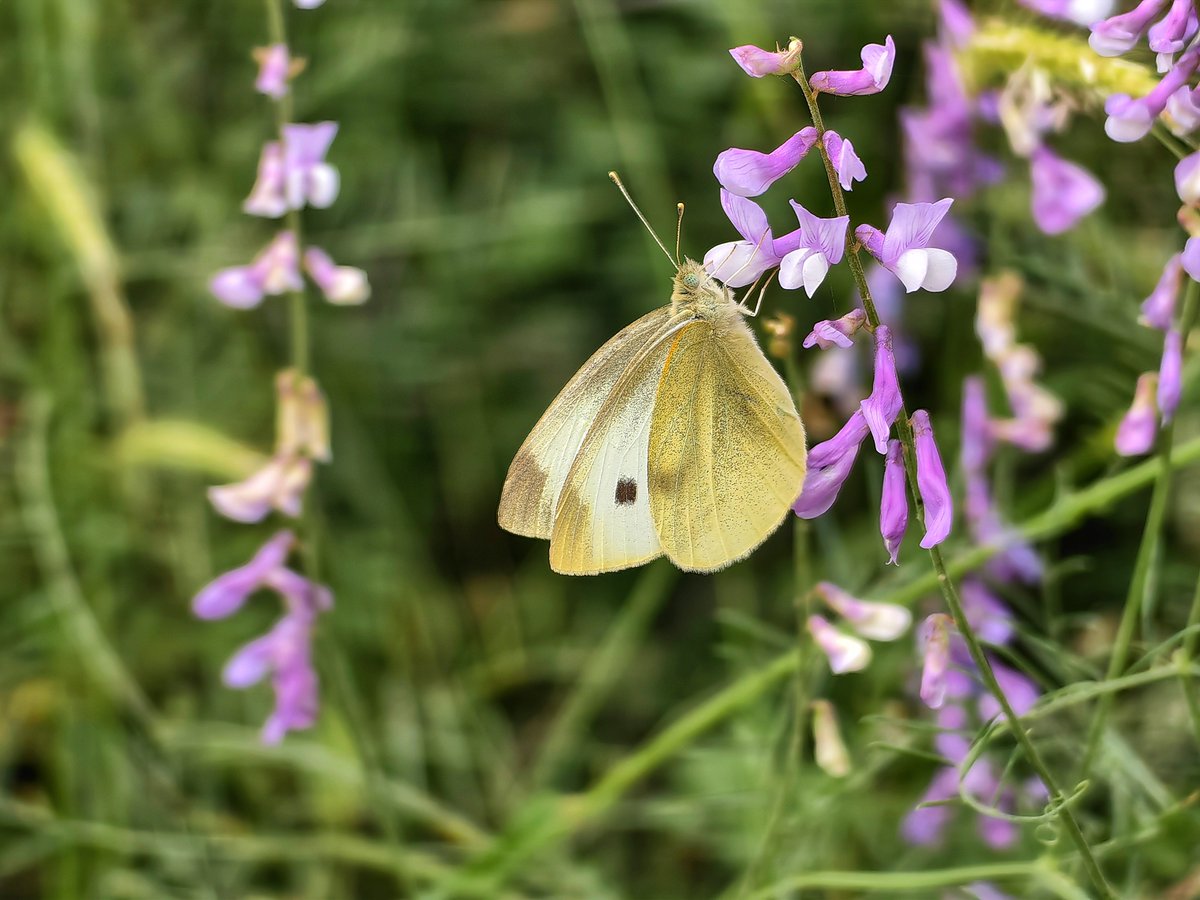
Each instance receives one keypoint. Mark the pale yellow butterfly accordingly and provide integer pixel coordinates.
(677, 437)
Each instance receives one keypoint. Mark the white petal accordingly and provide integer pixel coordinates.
(883, 622)
(815, 268)
(942, 267)
(791, 269)
(323, 183)
(911, 267)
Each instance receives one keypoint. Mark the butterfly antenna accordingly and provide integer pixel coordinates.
(678, 233)
(616, 179)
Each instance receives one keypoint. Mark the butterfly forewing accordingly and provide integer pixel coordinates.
(539, 470)
(726, 452)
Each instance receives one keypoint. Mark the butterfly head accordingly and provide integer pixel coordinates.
(695, 288)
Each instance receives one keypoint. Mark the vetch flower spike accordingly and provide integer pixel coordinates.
(1158, 310)
(225, 594)
(309, 179)
(872, 78)
(829, 464)
(341, 285)
(1135, 434)
(1170, 375)
(739, 263)
(846, 164)
(876, 621)
(881, 408)
(1119, 34)
(836, 332)
(845, 652)
(829, 750)
(893, 507)
(1063, 192)
(934, 638)
(806, 254)
(758, 63)
(904, 249)
(274, 271)
(1130, 119)
(931, 482)
(749, 173)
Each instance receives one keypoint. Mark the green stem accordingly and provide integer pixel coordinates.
(945, 583)
(1188, 652)
(892, 882)
(1136, 596)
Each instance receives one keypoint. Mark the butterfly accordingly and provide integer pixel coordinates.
(676, 438)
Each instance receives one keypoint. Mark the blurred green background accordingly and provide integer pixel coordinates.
(467, 690)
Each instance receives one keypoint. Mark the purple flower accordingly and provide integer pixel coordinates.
(872, 78)
(1187, 179)
(977, 442)
(806, 254)
(931, 482)
(924, 825)
(224, 595)
(986, 613)
(739, 263)
(1018, 689)
(1190, 258)
(845, 652)
(309, 179)
(829, 464)
(1130, 119)
(757, 62)
(881, 408)
(950, 741)
(893, 507)
(274, 70)
(1183, 110)
(342, 285)
(1135, 434)
(876, 621)
(1158, 310)
(1171, 33)
(934, 639)
(749, 173)
(828, 333)
(268, 197)
(1063, 192)
(1117, 35)
(1170, 375)
(846, 164)
(280, 484)
(957, 25)
(904, 249)
(274, 271)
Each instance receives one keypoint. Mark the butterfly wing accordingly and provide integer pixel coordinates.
(539, 470)
(726, 452)
(603, 520)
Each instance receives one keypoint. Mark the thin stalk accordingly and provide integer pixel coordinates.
(945, 583)
(1136, 596)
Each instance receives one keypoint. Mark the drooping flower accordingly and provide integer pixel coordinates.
(904, 249)
(876, 621)
(1182, 113)
(274, 70)
(1135, 434)
(1119, 34)
(279, 485)
(758, 63)
(225, 594)
(806, 254)
(268, 197)
(846, 164)
(1171, 33)
(836, 332)
(738, 263)
(274, 271)
(1130, 119)
(934, 638)
(829, 463)
(931, 482)
(881, 408)
(872, 78)
(749, 173)
(1158, 310)
(1063, 192)
(309, 179)
(1170, 375)
(829, 750)
(845, 652)
(1187, 179)
(893, 507)
(341, 285)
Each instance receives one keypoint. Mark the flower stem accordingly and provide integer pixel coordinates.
(945, 583)
(1139, 588)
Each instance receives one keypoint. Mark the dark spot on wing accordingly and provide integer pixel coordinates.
(626, 491)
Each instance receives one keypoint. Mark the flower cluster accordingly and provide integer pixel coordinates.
(848, 652)
(292, 174)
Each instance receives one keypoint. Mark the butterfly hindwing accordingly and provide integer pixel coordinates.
(726, 452)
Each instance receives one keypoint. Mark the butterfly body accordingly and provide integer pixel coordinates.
(677, 437)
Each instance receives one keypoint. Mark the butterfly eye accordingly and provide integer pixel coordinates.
(691, 280)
